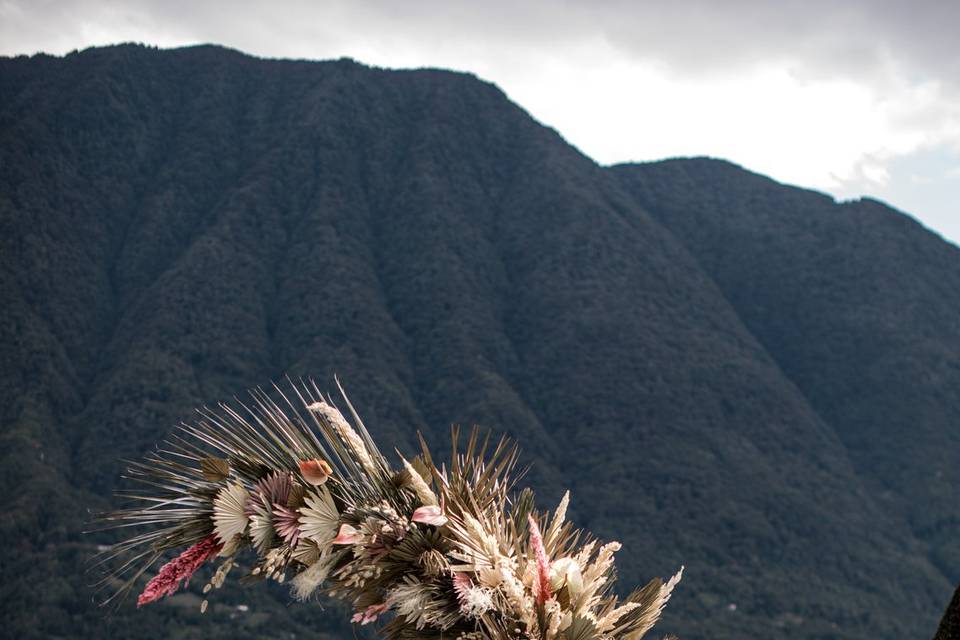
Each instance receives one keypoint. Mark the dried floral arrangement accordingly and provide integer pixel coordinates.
(426, 551)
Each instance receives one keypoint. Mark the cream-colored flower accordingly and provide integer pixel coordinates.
(565, 572)
(229, 519)
(319, 518)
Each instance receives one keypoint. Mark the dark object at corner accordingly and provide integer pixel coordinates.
(950, 623)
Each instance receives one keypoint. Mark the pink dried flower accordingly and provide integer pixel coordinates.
(178, 570)
(430, 514)
(287, 524)
(542, 583)
(474, 600)
(347, 535)
(315, 472)
(369, 614)
(274, 488)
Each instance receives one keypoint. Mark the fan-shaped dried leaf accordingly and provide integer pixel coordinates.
(215, 469)
(319, 518)
(229, 517)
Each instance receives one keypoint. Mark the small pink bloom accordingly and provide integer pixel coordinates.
(315, 472)
(369, 614)
(178, 570)
(274, 488)
(286, 522)
(347, 535)
(431, 515)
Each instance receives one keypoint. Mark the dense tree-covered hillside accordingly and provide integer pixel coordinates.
(729, 374)
(858, 305)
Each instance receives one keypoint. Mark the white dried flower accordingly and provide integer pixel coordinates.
(307, 581)
(418, 485)
(351, 438)
(229, 519)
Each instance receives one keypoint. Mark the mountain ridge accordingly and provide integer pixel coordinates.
(910, 247)
(185, 224)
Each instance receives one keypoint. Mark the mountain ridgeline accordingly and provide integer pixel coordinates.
(730, 374)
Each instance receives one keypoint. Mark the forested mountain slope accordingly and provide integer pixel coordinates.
(857, 303)
(177, 226)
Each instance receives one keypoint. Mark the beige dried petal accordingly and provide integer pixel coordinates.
(332, 416)
(229, 519)
(306, 552)
(214, 469)
(418, 485)
(261, 527)
(319, 518)
(231, 547)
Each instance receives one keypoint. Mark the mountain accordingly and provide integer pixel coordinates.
(729, 374)
(858, 305)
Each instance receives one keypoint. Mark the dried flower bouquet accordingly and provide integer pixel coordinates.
(427, 551)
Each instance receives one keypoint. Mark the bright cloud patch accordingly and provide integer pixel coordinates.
(817, 94)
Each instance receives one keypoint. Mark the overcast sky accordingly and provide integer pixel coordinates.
(854, 98)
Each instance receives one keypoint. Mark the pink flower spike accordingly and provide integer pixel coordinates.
(542, 584)
(347, 535)
(178, 570)
(431, 515)
(370, 614)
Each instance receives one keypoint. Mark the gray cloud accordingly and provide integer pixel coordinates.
(897, 50)
(856, 36)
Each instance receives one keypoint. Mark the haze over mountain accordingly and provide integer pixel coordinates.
(747, 379)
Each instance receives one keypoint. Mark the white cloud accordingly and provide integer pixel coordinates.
(817, 93)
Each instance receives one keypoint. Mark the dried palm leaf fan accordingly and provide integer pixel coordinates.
(428, 551)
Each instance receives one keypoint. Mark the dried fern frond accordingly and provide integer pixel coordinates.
(449, 550)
